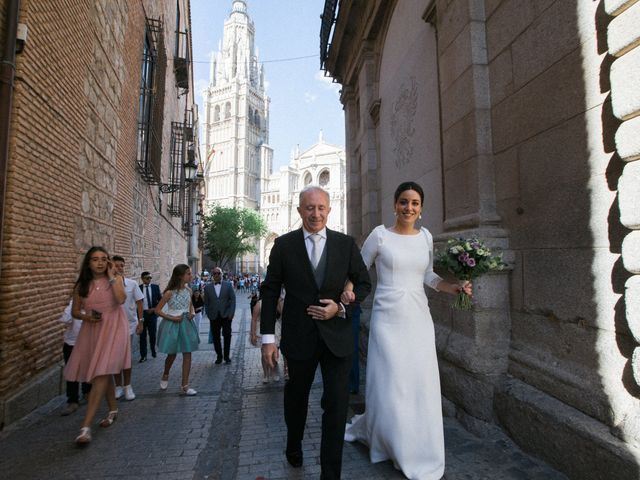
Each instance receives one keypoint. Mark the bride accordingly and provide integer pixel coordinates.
(403, 417)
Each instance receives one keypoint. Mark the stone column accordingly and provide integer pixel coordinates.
(473, 346)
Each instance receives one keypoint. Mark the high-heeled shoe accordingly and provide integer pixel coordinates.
(109, 419)
(189, 392)
(84, 437)
(164, 382)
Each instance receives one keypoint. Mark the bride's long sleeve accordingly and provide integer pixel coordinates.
(431, 279)
(369, 249)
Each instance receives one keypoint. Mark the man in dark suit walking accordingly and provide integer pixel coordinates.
(313, 264)
(152, 296)
(220, 307)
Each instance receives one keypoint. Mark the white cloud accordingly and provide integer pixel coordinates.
(310, 97)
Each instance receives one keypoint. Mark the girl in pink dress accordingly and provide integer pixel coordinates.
(102, 348)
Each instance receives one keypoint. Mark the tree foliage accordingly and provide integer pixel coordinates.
(230, 232)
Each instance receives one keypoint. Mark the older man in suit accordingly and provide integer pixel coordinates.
(313, 264)
(220, 307)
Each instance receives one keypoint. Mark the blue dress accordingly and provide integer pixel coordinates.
(178, 337)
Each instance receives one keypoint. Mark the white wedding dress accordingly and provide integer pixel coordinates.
(403, 417)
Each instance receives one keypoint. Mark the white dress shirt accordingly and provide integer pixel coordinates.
(133, 296)
(145, 304)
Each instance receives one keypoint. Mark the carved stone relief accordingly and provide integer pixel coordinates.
(403, 113)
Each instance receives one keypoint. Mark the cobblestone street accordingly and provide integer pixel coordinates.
(233, 429)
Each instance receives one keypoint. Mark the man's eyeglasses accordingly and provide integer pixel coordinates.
(217, 273)
(148, 277)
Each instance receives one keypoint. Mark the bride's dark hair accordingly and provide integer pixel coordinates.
(404, 186)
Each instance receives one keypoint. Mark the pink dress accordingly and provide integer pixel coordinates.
(102, 347)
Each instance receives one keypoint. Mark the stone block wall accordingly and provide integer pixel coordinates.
(72, 180)
(539, 130)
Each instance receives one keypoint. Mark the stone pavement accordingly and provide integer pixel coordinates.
(233, 429)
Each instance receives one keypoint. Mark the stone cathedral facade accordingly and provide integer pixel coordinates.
(238, 160)
(236, 128)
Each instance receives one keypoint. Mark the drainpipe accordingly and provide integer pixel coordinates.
(7, 75)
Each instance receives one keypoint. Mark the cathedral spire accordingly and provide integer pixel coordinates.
(239, 6)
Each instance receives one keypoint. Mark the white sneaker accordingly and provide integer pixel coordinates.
(128, 393)
(119, 393)
(265, 379)
(276, 377)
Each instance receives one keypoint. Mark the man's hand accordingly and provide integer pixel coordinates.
(270, 354)
(139, 328)
(327, 312)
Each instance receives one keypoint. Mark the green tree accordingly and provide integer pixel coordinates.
(230, 232)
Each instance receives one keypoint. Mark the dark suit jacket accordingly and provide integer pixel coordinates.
(225, 304)
(289, 266)
(155, 294)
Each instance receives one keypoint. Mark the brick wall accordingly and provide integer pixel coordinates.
(72, 180)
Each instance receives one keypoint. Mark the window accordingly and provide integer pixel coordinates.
(176, 178)
(216, 114)
(307, 179)
(151, 102)
(227, 110)
(323, 179)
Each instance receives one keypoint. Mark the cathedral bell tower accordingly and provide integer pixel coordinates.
(236, 127)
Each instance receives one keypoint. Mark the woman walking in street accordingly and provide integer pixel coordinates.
(403, 417)
(178, 332)
(102, 348)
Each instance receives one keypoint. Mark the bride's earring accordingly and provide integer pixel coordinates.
(420, 217)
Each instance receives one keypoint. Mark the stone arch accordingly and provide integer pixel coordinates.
(324, 177)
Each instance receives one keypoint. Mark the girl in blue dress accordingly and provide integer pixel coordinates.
(177, 332)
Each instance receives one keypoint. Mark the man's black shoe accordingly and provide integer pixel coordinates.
(294, 458)
(153, 354)
(219, 360)
(142, 360)
(227, 360)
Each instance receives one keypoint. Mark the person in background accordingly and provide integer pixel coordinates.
(198, 306)
(70, 335)
(133, 306)
(177, 332)
(220, 306)
(151, 297)
(102, 348)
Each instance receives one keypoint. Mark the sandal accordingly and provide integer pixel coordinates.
(108, 421)
(164, 382)
(189, 392)
(84, 437)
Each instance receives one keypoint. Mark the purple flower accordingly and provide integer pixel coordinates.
(471, 262)
(463, 257)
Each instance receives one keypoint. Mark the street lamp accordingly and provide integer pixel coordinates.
(190, 169)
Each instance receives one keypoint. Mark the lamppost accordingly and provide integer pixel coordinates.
(189, 169)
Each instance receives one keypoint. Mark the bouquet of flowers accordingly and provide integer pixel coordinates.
(467, 259)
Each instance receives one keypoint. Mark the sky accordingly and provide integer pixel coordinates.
(303, 100)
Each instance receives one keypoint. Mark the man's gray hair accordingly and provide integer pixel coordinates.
(310, 188)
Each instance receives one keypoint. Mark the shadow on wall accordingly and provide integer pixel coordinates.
(617, 231)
